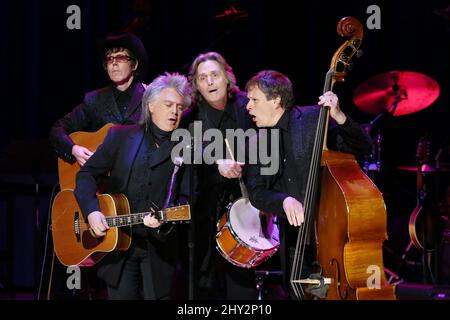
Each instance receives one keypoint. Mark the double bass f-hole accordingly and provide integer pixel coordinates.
(341, 295)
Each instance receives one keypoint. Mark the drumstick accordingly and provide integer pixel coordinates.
(241, 183)
(229, 149)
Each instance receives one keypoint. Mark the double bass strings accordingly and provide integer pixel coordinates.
(310, 196)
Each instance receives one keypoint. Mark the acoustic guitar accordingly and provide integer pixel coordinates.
(73, 242)
(91, 140)
(416, 220)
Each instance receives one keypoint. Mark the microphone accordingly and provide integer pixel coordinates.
(232, 12)
(178, 162)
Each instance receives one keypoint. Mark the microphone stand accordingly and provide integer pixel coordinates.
(191, 231)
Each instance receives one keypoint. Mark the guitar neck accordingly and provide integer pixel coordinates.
(126, 219)
(173, 214)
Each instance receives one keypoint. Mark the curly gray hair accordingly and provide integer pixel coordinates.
(168, 80)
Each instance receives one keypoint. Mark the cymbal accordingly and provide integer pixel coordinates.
(426, 168)
(415, 91)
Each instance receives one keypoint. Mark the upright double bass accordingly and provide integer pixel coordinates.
(347, 210)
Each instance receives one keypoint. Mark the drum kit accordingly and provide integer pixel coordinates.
(247, 240)
(395, 94)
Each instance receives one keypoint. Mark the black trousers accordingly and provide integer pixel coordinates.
(136, 279)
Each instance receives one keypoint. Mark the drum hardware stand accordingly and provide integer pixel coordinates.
(408, 248)
(261, 276)
(399, 263)
(372, 162)
(393, 276)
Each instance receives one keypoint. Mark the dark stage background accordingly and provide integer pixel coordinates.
(46, 69)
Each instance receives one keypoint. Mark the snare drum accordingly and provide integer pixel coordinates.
(242, 239)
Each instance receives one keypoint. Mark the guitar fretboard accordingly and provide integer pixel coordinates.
(180, 213)
(126, 220)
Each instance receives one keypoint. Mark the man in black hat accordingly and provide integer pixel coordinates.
(125, 61)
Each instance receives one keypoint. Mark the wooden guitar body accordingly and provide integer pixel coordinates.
(73, 242)
(91, 140)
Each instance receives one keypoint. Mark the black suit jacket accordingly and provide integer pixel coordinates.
(236, 108)
(347, 137)
(98, 108)
(116, 155)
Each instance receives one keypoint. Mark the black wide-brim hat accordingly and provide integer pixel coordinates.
(132, 43)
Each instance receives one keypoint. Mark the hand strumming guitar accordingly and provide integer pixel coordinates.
(98, 224)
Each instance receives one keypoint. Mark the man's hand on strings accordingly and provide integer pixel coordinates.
(294, 211)
(329, 99)
(81, 154)
(230, 169)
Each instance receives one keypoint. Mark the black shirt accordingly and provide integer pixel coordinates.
(123, 98)
(142, 188)
(221, 120)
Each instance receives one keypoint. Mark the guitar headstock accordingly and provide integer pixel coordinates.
(175, 214)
